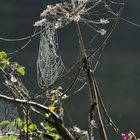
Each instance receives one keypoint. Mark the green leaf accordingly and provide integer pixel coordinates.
(19, 123)
(32, 127)
(55, 136)
(48, 127)
(9, 137)
(3, 55)
(24, 128)
(41, 134)
(3, 124)
(47, 115)
(6, 61)
(20, 70)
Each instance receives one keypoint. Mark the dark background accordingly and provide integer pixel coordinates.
(117, 74)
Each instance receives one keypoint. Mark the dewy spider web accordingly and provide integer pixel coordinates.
(93, 13)
(49, 65)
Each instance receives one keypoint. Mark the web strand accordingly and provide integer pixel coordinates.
(20, 39)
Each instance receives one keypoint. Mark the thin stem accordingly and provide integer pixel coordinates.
(27, 121)
(104, 108)
(81, 43)
(72, 83)
(93, 93)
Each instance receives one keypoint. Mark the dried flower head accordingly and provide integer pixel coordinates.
(62, 14)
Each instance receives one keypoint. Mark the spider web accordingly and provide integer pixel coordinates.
(49, 65)
(96, 15)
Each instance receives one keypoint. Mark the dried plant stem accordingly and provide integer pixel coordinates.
(95, 110)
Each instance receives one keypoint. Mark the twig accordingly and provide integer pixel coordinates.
(96, 115)
(110, 122)
(73, 82)
(57, 122)
(27, 120)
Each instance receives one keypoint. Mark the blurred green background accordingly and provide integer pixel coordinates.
(117, 73)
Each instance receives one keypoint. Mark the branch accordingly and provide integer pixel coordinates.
(57, 122)
(95, 111)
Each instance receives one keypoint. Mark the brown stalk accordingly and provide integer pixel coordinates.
(95, 111)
